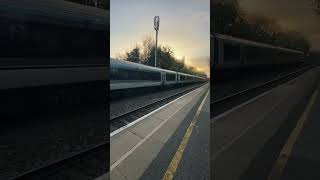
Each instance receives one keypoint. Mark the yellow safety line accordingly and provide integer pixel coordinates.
(284, 155)
(171, 170)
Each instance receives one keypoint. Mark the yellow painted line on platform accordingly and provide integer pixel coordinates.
(172, 168)
(277, 170)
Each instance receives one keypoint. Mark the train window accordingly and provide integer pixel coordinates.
(150, 76)
(45, 40)
(286, 56)
(231, 52)
(216, 51)
(212, 49)
(170, 77)
(64, 34)
(182, 78)
(256, 55)
(129, 75)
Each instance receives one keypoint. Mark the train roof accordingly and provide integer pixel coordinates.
(252, 43)
(128, 64)
(190, 75)
(57, 12)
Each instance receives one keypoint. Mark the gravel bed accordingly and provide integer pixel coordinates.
(226, 88)
(126, 105)
(45, 138)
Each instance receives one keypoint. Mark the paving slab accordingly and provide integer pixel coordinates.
(238, 137)
(133, 149)
(304, 160)
(119, 147)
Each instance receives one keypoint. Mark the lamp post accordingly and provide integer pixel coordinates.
(156, 23)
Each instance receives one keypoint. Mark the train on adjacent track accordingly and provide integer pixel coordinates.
(128, 75)
(52, 52)
(235, 53)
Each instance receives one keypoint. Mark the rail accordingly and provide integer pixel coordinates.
(221, 105)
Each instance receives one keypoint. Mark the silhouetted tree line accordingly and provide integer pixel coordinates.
(104, 4)
(230, 19)
(145, 54)
(316, 6)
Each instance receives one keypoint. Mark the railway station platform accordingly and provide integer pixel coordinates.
(162, 142)
(303, 156)
(272, 136)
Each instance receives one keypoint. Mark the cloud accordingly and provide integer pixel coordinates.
(295, 15)
(183, 26)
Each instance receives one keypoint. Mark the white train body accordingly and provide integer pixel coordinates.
(126, 75)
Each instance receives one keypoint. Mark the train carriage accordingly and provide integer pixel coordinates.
(188, 78)
(129, 75)
(50, 37)
(230, 52)
(170, 77)
(125, 75)
(52, 52)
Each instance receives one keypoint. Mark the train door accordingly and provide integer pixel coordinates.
(243, 54)
(176, 78)
(219, 46)
(215, 51)
(212, 50)
(163, 78)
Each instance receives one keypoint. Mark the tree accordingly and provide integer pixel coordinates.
(133, 55)
(144, 54)
(230, 19)
(225, 14)
(150, 57)
(166, 58)
(316, 5)
(104, 4)
(148, 45)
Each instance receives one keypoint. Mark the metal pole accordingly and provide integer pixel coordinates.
(156, 23)
(155, 52)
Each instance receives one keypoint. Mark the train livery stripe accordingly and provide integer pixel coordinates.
(20, 78)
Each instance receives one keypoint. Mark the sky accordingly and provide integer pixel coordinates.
(184, 26)
(295, 15)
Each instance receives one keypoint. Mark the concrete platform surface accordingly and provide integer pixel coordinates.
(186, 153)
(132, 150)
(239, 136)
(304, 159)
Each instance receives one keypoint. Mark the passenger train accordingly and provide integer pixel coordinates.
(127, 75)
(52, 50)
(230, 53)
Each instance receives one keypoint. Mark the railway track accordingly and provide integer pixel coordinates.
(126, 118)
(77, 165)
(221, 105)
(81, 165)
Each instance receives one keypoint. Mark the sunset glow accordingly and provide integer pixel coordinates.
(296, 15)
(184, 26)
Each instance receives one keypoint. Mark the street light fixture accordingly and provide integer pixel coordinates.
(156, 23)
